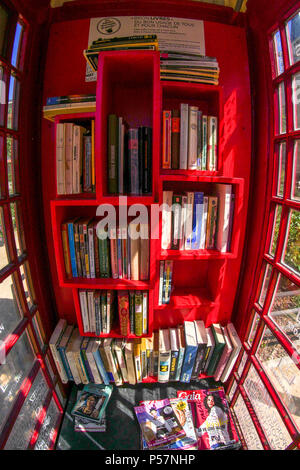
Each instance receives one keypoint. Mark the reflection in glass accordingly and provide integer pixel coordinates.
(293, 38)
(27, 284)
(2, 92)
(263, 287)
(254, 326)
(16, 215)
(11, 159)
(295, 190)
(280, 116)
(48, 429)
(4, 253)
(232, 389)
(278, 53)
(242, 364)
(249, 432)
(13, 103)
(17, 46)
(296, 100)
(267, 413)
(10, 311)
(282, 372)
(275, 230)
(291, 252)
(281, 156)
(37, 325)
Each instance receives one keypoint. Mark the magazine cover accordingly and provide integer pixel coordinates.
(92, 402)
(182, 410)
(158, 422)
(213, 422)
(84, 425)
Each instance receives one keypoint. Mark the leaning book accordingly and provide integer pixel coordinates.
(92, 402)
(159, 423)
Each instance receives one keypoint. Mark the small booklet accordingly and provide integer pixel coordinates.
(92, 402)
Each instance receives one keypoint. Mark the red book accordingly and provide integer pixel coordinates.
(123, 309)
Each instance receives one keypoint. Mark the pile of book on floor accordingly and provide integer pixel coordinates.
(190, 139)
(129, 164)
(122, 43)
(194, 420)
(101, 308)
(178, 354)
(68, 104)
(198, 221)
(75, 158)
(89, 410)
(90, 252)
(189, 68)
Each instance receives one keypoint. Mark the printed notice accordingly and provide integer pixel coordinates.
(174, 34)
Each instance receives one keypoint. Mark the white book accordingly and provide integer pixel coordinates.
(91, 311)
(91, 252)
(84, 311)
(70, 356)
(183, 223)
(225, 355)
(130, 363)
(224, 194)
(212, 142)
(69, 157)
(77, 145)
(237, 345)
(184, 127)
(161, 281)
(92, 347)
(114, 367)
(204, 223)
(53, 342)
(118, 346)
(60, 158)
(164, 356)
(189, 221)
(166, 234)
(193, 138)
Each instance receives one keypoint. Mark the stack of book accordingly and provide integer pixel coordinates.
(75, 158)
(190, 139)
(101, 308)
(165, 281)
(68, 104)
(129, 158)
(189, 68)
(90, 252)
(195, 221)
(188, 422)
(89, 409)
(181, 353)
(126, 43)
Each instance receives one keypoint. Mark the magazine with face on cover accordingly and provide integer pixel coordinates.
(213, 421)
(92, 402)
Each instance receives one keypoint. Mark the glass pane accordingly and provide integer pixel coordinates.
(282, 372)
(16, 215)
(3, 26)
(293, 38)
(232, 389)
(61, 396)
(10, 310)
(295, 190)
(27, 284)
(296, 100)
(275, 230)
(280, 110)
(263, 287)
(281, 157)
(4, 253)
(267, 413)
(12, 161)
(17, 46)
(24, 426)
(47, 432)
(242, 364)
(37, 325)
(50, 369)
(291, 253)
(2, 92)
(247, 427)
(285, 311)
(13, 103)
(253, 329)
(278, 56)
(18, 364)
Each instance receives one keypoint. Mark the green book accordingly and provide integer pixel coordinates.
(112, 153)
(218, 349)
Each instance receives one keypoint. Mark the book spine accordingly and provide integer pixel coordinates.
(100, 366)
(60, 158)
(112, 154)
(77, 249)
(144, 252)
(123, 309)
(91, 311)
(138, 317)
(189, 221)
(87, 163)
(176, 221)
(119, 254)
(214, 359)
(179, 363)
(161, 282)
(168, 272)
(199, 140)
(124, 253)
(184, 125)
(80, 363)
(145, 313)
(173, 364)
(76, 159)
(166, 237)
(133, 160)
(188, 363)
(121, 156)
(114, 254)
(58, 362)
(211, 222)
(87, 364)
(183, 222)
(103, 310)
(82, 250)
(73, 367)
(84, 311)
(91, 252)
(231, 218)
(175, 139)
(147, 167)
(204, 142)
(212, 143)
(104, 257)
(164, 362)
(132, 311)
(69, 158)
(204, 223)
(65, 243)
(192, 142)
(197, 219)
(198, 361)
(98, 313)
(72, 249)
(96, 252)
(93, 367)
(86, 251)
(109, 311)
(166, 154)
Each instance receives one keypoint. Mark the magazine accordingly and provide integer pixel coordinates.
(84, 425)
(92, 402)
(182, 410)
(213, 421)
(158, 422)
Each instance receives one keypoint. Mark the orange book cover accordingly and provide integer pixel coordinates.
(123, 309)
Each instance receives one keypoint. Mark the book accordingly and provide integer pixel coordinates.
(84, 425)
(161, 281)
(92, 347)
(100, 359)
(181, 350)
(66, 252)
(167, 281)
(129, 359)
(53, 342)
(218, 348)
(174, 343)
(138, 314)
(210, 348)
(175, 138)
(204, 142)
(134, 252)
(62, 346)
(212, 122)
(119, 345)
(60, 158)
(184, 126)
(77, 158)
(189, 221)
(143, 358)
(71, 240)
(88, 370)
(145, 312)
(193, 137)
(112, 363)
(225, 355)
(236, 345)
(176, 221)
(123, 309)
(166, 139)
(133, 161)
(72, 344)
(201, 337)
(84, 310)
(197, 220)
(144, 250)
(166, 220)
(92, 402)
(224, 205)
(191, 348)
(164, 356)
(68, 157)
(112, 147)
(211, 227)
(137, 359)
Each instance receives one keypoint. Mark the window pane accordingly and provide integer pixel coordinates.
(247, 427)
(268, 415)
(4, 253)
(296, 100)
(293, 38)
(37, 325)
(27, 284)
(10, 310)
(285, 311)
(281, 158)
(282, 372)
(253, 329)
(2, 92)
(278, 53)
(275, 230)
(50, 369)
(291, 253)
(13, 103)
(12, 169)
(295, 191)
(47, 431)
(21, 433)
(15, 210)
(232, 389)
(280, 115)
(17, 46)
(263, 287)
(16, 368)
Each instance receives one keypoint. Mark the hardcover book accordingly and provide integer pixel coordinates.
(123, 309)
(191, 348)
(201, 337)
(218, 349)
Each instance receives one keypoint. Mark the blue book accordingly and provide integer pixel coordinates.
(62, 350)
(197, 219)
(106, 376)
(72, 247)
(191, 348)
(83, 348)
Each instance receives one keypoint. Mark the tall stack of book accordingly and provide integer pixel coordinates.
(189, 68)
(126, 43)
(190, 139)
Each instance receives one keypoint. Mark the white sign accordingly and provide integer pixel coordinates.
(174, 34)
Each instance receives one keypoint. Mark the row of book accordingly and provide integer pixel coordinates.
(195, 221)
(68, 104)
(122, 43)
(190, 139)
(165, 281)
(189, 68)
(172, 354)
(101, 308)
(90, 252)
(75, 167)
(193, 420)
(129, 157)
